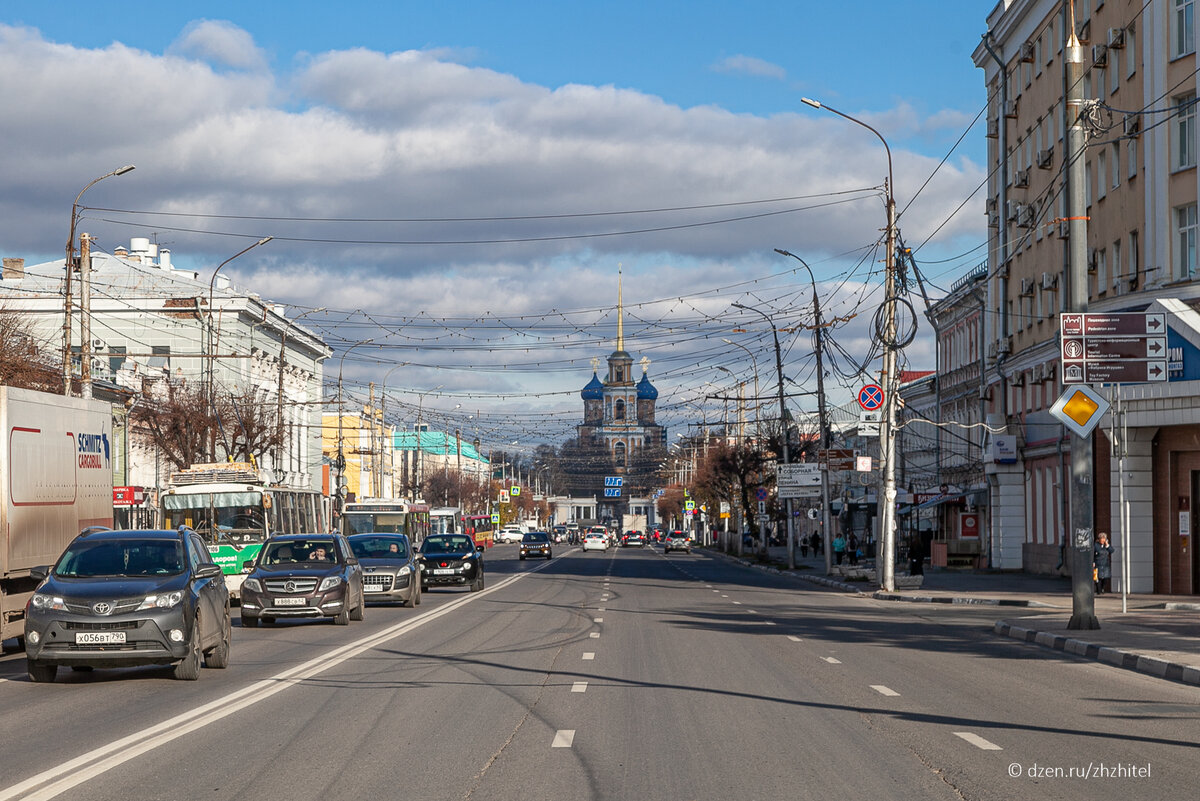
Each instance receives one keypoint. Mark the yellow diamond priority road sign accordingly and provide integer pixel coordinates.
(1080, 408)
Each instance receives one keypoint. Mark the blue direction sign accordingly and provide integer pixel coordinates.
(870, 397)
(612, 492)
(614, 481)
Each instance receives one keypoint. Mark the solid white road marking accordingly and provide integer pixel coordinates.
(57, 780)
(977, 741)
(832, 660)
(770, 623)
(589, 656)
(563, 738)
(595, 635)
(879, 688)
(724, 596)
(597, 620)
(579, 687)
(750, 611)
(739, 603)
(794, 638)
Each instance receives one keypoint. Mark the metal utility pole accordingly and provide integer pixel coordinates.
(69, 268)
(891, 376)
(1083, 599)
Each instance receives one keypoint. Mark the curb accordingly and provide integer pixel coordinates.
(1161, 668)
(880, 595)
(823, 581)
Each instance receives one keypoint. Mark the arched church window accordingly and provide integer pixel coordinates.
(619, 409)
(619, 454)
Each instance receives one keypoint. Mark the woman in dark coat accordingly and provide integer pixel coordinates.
(1102, 560)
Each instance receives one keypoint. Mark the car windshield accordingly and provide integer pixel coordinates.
(125, 557)
(372, 547)
(537, 536)
(447, 544)
(290, 552)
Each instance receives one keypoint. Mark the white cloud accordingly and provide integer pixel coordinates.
(749, 65)
(221, 43)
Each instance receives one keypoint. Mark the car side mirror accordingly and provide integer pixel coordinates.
(478, 549)
(39, 573)
(208, 571)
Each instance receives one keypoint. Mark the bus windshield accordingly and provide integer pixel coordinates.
(375, 522)
(237, 517)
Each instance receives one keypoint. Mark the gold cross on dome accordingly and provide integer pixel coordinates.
(595, 363)
(645, 363)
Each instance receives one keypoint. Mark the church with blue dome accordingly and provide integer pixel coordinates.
(618, 417)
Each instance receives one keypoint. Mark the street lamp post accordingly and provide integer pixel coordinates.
(418, 472)
(213, 333)
(891, 376)
(340, 462)
(383, 422)
(69, 267)
(824, 436)
(283, 337)
(785, 432)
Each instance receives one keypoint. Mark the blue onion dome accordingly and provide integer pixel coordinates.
(646, 390)
(594, 390)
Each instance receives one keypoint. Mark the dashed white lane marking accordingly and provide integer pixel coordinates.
(717, 591)
(589, 656)
(579, 687)
(770, 623)
(595, 635)
(750, 611)
(708, 585)
(563, 738)
(977, 741)
(739, 603)
(597, 620)
(600, 609)
(794, 638)
(888, 691)
(724, 596)
(832, 660)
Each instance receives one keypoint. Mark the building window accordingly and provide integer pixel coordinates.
(1102, 174)
(1117, 267)
(1114, 70)
(1130, 51)
(1087, 183)
(620, 455)
(161, 357)
(1134, 262)
(1185, 239)
(619, 409)
(1116, 164)
(116, 358)
(1183, 39)
(1131, 152)
(1101, 271)
(1184, 151)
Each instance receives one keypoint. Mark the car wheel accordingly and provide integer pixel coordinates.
(268, 621)
(358, 612)
(342, 618)
(40, 672)
(189, 668)
(549, 555)
(82, 668)
(249, 622)
(218, 657)
(416, 601)
(522, 557)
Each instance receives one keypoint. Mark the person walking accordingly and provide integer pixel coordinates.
(1102, 552)
(818, 544)
(839, 548)
(852, 548)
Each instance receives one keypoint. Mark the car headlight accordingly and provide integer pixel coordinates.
(329, 582)
(166, 601)
(404, 571)
(252, 584)
(422, 567)
(47, 602)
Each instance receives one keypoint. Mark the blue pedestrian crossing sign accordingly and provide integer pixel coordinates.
(515, 490)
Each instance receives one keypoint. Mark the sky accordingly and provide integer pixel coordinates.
(462, 182)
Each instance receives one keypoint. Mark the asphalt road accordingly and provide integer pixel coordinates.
(622, 675)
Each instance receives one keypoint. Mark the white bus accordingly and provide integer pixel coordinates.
(380, 515)
(446, 520)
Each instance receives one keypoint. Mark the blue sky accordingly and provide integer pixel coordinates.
(585, 120)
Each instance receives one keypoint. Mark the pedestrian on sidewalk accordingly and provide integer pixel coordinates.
(818, 543)
(852, 548)
(1102, 552)
(803, 540)
(839, 548)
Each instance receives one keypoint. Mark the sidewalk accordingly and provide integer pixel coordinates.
(1158, 635)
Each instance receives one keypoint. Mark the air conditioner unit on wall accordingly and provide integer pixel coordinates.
(1045, 158)
(1099, 55)
(1064, 229)
(1026, 287)
(1092, 258)
(1133, 124)
(1021, 181)
(993, 128)
(1049, 281)
(1013, 210)
(1116, 38)
(1004, 346)
(1027, 52)
(1018, 379)
(1025, 218)
(1010, 109)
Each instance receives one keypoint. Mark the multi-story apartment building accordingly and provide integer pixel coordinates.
(1141, 218)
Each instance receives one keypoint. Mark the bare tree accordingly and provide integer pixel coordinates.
(22, 364)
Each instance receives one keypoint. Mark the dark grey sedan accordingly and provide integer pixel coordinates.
(390, 569)
(304, 576)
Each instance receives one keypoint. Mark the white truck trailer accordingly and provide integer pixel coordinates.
(56, 475)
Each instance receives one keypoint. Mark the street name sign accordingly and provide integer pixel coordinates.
(836, 459)
(798, 481)
(1125, 348)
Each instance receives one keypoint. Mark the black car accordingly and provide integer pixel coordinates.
(536, 543)
(390, 569)
(451, 560)
(127, 598)
(304, 576)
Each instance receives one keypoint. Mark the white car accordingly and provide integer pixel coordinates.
(510, 534)
(595, 542)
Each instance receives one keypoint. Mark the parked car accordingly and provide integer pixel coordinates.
(389, 566)
(511, 534)
(677, 541)
(451, 559)
(536, 543)
(304, 576)
(595, 541)
(633, 537)
(127, 598)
